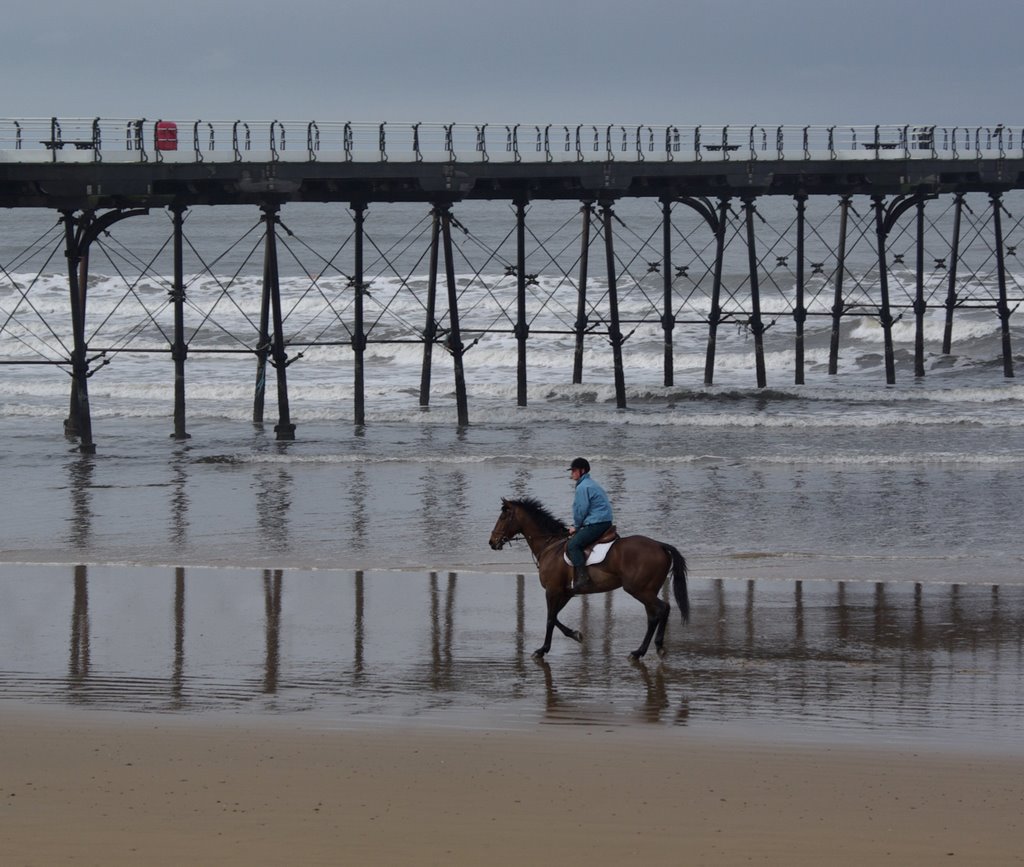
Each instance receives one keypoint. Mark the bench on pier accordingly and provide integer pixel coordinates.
(58, 144)
(881, 145)
(721, 147)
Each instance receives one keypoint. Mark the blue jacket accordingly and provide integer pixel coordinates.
(591, 504)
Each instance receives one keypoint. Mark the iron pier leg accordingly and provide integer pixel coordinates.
(359, 333)
(715, 315)
(954, 262)
(80, 418)
(838, 304)
(284, 428)
(668, 321)
(522, 329)
(1002, 307)
(581, 298)
(454, 335)
(71, 423)
(263, 338)
(71, 427)
(920, 307)
(430, 328)
(756, 324)
(885, 314)
(614, 331)
(800, 311)
(179, 350)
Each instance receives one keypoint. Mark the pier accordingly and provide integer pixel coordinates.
(931, 201)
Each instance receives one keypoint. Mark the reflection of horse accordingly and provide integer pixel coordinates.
(637, 564)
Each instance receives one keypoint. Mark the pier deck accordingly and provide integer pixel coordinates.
(95, 163)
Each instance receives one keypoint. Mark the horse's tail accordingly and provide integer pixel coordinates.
(678, 573)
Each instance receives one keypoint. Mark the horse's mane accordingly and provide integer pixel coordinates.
(547, 522)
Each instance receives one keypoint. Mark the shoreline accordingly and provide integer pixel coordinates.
(120, 788)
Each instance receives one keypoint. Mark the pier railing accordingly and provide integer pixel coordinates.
(126, 140)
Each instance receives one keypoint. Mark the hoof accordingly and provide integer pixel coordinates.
(636, 655)
(662, 652)
(577, 637)
(539, 653)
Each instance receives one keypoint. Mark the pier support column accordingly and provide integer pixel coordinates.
(262, 340)
(954, 263)
(587, 212)
(78, 237)
(430, 327)
(359, 328)
(179, 349)
(838, 303)
(614, 331)
(1002, 307)
(79, 421)
(284, 428)
(884, 313)
(755, 322)
(454, 342)
(800, 310)
(522, 329)
(920, 306)
(668, 321)
(715, 315)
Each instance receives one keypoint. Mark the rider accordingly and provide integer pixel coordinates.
(591, 515)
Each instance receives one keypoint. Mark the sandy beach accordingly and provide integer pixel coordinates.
(99, 789)
(170, 716)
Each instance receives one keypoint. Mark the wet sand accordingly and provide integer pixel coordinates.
(131, 789)
(167, 715)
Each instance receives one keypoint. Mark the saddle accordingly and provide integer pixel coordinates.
(598, 550)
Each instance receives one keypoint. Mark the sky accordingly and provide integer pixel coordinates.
(653, 62)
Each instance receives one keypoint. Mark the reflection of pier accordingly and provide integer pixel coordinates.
(899, 651)
(78, 665)
(925, 201)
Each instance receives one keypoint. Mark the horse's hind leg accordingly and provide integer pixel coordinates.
(659, 633)
(657, 618)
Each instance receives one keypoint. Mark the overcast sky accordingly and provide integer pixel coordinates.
(526, 61)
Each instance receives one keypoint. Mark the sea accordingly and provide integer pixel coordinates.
(855, 557)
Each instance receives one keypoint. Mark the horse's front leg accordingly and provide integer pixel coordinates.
(556, 603)
(574, 634)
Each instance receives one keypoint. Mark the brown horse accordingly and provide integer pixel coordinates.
(637, 564)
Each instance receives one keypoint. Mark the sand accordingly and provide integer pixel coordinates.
(89, 788)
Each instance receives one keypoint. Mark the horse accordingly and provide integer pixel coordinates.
(637, 564)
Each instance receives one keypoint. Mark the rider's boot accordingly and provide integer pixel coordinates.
(582, 579)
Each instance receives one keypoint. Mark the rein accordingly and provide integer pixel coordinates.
(536, 556)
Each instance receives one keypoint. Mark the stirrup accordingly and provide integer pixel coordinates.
(581, 580)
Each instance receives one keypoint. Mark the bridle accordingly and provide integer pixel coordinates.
(505, 539)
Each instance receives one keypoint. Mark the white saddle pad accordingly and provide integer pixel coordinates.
(596, 556)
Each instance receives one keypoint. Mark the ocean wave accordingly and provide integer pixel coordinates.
(777, 408)
(817, 460)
